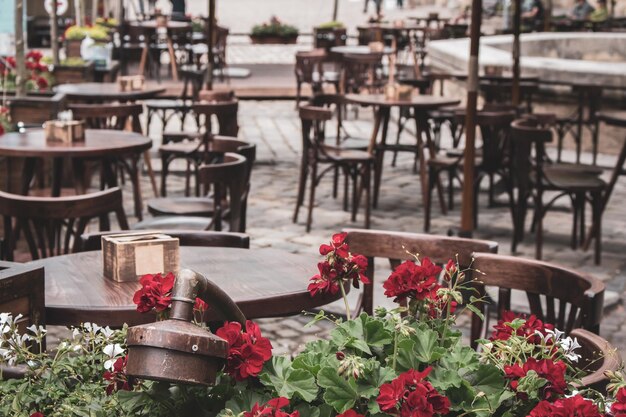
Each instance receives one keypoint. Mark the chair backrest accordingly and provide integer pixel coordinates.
(360, 71)
(556, 295)
(226, 180)
(335, 103)
(193, 79)
(51, 225)
(109, 116)
(22, 291)
(597, 357)
(528, 134)
(495, 129)
(216, 95)
(93, 241)
(399, 246)
(34, 111)
(224, 111)
(313, 120)
(309, 63)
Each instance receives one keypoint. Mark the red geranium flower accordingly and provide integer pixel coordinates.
(350, 413)
(337, 244)
(273, 408)
(37, 414)
(553, 372)
(247, 351)
(200, 305)
(618, 409)
(34, 55)
(155, 292)
(42, 83)
(575, 406)
(118, 378)
(502, 331)
(412, 280)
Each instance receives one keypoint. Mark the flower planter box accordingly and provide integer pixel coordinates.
(73, 74)
(273, 40)
(326, 38)
(72, 48)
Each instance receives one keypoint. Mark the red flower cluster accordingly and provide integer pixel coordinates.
(155, 292)
(350, 413)
(273, 408)
(618, 409)
(118, 380)
(37, 414)
(339, 265)
(502, 331)
(575, 406)
(553, 372)
(409, 395)
(247, 351)
(410, 280)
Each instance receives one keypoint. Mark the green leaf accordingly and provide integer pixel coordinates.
(426, 349)
(350, 334)
(476, 311)
(487, 379)
(287, 381)
(310, 361)
(375, 333)
(406, 359)
(244, 401)
(339, 393)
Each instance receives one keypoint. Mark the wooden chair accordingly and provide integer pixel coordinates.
(309, 70)
(355, 164)
(93, 241)
(203, 206)
(399, 247)
(530, 172)
(361, 72)
(22, 291)
(191, 146)
(597, 357)
(52, 225)
(227, 180)
(580, 296)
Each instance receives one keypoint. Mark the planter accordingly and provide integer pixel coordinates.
(273, 40)
(72, 48)
(64, 74)
(328, 37)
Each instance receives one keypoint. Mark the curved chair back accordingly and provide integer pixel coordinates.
(309, 65)
(52, 225)
(360, 72)
(556, 295)
(399, 247)
(109, 116)
(225, 112)
(597, 357)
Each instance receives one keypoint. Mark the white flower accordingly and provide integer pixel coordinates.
(107, 331)
(4, 318)
(112, 351)
(569, 345)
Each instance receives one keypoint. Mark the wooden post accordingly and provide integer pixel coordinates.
(210, 39)
(517, 23)
(20, 70)
(467, 204)
(78, 8)
(54, 34)
(335, 10)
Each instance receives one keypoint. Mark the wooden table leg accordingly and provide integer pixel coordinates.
(133, 171)
(379, 154)
(421, 121)
(143, 60)
(57, 176)
(28, 171)
(78, 170)
(170, 48)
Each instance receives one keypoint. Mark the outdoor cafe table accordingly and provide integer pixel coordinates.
(357, 50)
(99, 92)
(421, 105)
(107, 146)
(263, 283)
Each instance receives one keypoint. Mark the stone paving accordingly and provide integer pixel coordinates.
(275, 129)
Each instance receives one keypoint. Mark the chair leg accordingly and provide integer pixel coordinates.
(298, 94)
(432, 173)
(164, 171)
(148, 161)
(596, 201)
(539, 234)
(309, 219)
(367, 175)
(301, 188)
(355, 186)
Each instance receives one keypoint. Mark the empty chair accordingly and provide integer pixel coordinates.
(355, 164)
(227, 182)
(52, 225)
(309, 70)
(556, 295)
(93, 241)
(361, 72)
(399, 247)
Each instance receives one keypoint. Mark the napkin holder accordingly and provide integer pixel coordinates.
(376, 46)
(131, 82)
(64, 131)
(128, 256)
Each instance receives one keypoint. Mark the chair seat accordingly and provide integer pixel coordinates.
(577, 168)
(450, 161)
(181, 206)
(174, 223)
(187, 148)
(346, 155)
(572, 181)
(165, 104)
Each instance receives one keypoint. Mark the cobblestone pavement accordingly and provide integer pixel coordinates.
(275, 128)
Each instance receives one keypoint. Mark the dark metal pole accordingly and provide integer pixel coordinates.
(335, 10)
(54, 35)
(517, 23)
(210, 39)
(467, 204)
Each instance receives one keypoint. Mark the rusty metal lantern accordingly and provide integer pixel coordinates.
(176, 350)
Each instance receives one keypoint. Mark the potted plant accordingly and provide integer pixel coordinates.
(73, 70)
(405, 362)
(39, 78)
(274, 32)
(330, 34)
(74, 36)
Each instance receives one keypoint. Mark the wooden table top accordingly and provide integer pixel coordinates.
(105, 91)
(613, 117)
(263, 282)
(97, 144)
(422, 102)
(358, 50)
(171, 24)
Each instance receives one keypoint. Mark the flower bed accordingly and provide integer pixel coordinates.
(39, 78)
(274, 32)
(405, 362)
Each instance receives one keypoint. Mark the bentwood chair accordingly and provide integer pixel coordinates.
(356, 165)
(118, 116)
(400, 246)
(361, 72)
(562, 297)
(597, 357)
(52, 225)
(309, 70)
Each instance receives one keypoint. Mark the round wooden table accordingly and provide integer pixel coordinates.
(263, 282)
(421, 105)
(358, 50)
(98, 92)
(107, 146)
